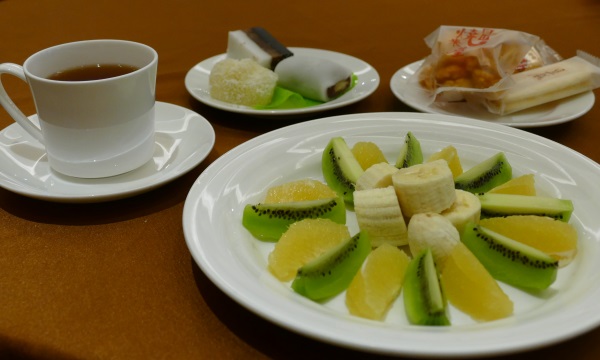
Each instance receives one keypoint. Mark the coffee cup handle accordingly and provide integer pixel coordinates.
(9, 105)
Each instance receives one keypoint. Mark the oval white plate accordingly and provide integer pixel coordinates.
(183, 140)
(237, 263)
(196, 82)
(557, 112)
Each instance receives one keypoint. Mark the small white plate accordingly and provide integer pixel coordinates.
(196, 82)
(553, 113)
(237, 263)
(183, 140)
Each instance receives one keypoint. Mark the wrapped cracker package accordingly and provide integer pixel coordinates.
(475, 64)
(548, 83)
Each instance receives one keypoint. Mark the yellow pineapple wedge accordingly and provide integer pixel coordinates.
(520, 185)
(449, 154)
(376, 286)
(554, 237)
(367, 153)
(304, 241)
(470, 288)
(299, 190)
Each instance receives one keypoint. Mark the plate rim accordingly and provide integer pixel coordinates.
(274, 113)
(397, 78)
(8, 183)
(203, 260)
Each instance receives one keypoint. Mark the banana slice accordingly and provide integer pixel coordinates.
(376, 176)
(466, 208)
(427, 187)
(432, 230)
(378, 213)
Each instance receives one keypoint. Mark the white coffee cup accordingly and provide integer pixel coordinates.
(94, 128)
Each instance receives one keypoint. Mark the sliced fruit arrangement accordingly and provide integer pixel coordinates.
(554, 237)
(299, 190)
(486, 175)
(367, 154)
(428, 230)
(341, 170)
(450, 154)
(410, 152)
(379, 282)
(377, 176)
(331, 272)
(466, 208)
(378, 213)
(470, 287)
(510, 261)
(306, 199)
(424, 300)
(497, 205)
(520, 185)
(434, 232)
(427, 187)
(303, 242)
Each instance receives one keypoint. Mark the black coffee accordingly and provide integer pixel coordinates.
(92, 72)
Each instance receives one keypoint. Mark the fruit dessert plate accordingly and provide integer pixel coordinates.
(367, 81)
(237, 262)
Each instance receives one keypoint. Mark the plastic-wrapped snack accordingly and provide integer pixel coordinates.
(551, 82)
(467, 60)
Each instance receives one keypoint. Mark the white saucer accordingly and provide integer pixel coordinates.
(553, 113)
(183, 140)
(196, 82)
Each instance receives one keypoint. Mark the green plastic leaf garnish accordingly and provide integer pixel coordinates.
(286, 99)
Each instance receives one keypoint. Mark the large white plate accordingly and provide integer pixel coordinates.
(183, 140)
(236, 262)
(196, 82)
(557, 112)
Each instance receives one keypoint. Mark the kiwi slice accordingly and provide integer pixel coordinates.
(341, 169)
(510, 261)
(424, 300)
(486, 175)
(410, 152)
(332, 272)
(269, 221)
(497, 205)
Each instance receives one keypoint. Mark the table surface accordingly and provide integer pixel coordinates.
(116, 279)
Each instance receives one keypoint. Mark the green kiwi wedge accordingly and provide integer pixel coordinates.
(332, 272)
(424, 300)
(410, 152)
(268, 222)
(497, 205)
(510, 261)
(486, 175)
(341, 169)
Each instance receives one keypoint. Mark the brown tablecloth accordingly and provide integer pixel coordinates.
(115, 279)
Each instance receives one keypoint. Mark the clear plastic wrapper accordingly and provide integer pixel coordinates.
(548, 83)
(471, 60)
